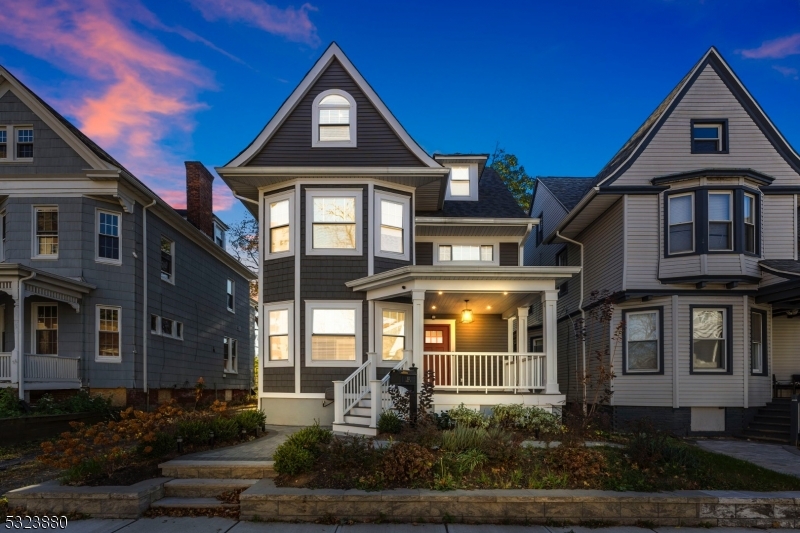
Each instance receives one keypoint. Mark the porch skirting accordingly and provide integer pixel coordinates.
(679, 421)
(478, 400)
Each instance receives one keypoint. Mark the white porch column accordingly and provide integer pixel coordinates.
(522, 329)
(417, 330)
(510, 322)
(18, 355)
(550, 336)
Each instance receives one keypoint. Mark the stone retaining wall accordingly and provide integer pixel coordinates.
(98, 502)
(263, 501)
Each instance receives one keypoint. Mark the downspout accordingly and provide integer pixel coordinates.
(583, 319)
(144, 302)
(18, 341)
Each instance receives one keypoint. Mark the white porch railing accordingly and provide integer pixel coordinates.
(50, 368)
(485, 371)
(380, 400)
(5, 366)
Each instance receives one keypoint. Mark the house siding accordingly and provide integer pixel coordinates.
(544, 202)
(486, 333)
(509, 254)
(423, 253)
(378, 145)
(644, 241)
(279, 279)
(778, 230)
(785, 340)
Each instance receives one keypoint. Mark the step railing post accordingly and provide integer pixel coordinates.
(373, 365)
(375, 402)
(338, 402)
(794, 420)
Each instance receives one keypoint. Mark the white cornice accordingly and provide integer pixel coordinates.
(331, 171)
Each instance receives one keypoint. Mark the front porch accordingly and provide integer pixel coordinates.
(468, 325)
(29, 354)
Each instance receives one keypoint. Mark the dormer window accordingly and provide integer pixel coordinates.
(710, 137)
(459, 181)
(334, 120)
(462, 184)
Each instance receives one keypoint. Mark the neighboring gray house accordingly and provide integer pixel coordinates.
(378, 256)
(692, 228)
(82, 302)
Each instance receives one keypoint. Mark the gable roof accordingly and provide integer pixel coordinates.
(626, 155)
(494, 201)
(568, 191)
(333, 53)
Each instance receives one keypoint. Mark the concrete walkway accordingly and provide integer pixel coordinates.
(256, 450)
(223, 525)
(772, 456)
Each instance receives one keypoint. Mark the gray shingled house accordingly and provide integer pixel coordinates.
(82, 302)
(377, 256)
(692, 228)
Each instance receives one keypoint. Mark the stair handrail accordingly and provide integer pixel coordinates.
(347, 393)
(379, 389)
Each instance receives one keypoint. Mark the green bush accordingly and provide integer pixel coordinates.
(250, 420)
(389, 422)
(194, 432)
(310, 437)
(291, 459)
(466, 417)
(83, 402)
(86, 469)
(225, 429)
(9, 404)
(530, 419)
(165, 444)
(463, 438)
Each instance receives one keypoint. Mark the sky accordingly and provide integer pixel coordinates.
(560, 84)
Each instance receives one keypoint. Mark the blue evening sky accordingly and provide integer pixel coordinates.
(560, 84)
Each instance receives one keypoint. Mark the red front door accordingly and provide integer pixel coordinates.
(437, 340)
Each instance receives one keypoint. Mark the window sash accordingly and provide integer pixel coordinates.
(333, 333)
(707, 138)
(681, 223)
(3, 143)
(46, 327)
(720, 223)
(709, 339)
(230, 292)
(466, 252)
(756, 342)
(47, 231)
(108, 235)
(643, 341)
(24, 143)
(108, 332)
(749, 216)
(393, 334)
(167, 248)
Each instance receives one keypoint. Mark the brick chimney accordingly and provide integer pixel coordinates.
(199, 199)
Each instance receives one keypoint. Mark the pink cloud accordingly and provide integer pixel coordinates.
(132, 95)
(290, 23)
(776, 48)
(789, 72)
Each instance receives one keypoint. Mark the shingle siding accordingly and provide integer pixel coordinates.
(423, 253)
(279, 279)
(509, 254)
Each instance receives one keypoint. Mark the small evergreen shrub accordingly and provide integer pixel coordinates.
(310, 437)
(291, 459)
(389, 422)
(466, 417)
(250, 420)
(225, 429)
(194, 431)
(9, 404)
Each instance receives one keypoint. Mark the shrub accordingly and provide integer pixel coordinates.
(530, 419)
(80, 472)
(582, 464)
(291, 459)
(251, 420)
(406, 462)
(164, 444)
(83, 402)
(9, 404)
(464, 438)
(310, 437)
(225, 429)
(464, 416)
(470, 460)
(501, 446)
(648, 446)
(389, 422)
(194, 431)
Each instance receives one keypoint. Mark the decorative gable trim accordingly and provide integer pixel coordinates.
(332, 53)
(715, 60)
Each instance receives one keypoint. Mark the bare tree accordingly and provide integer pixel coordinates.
(243, 244)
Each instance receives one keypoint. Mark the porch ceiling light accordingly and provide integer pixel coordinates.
(466, 314)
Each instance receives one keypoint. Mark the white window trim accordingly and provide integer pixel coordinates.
(474, 241)
(157, 331)
(23, 127)
(288, 195)
(224, 244)
(3, 228)
(763, 317)
(175, 328)
(729, 194)
(406, 203)
(329, 193)
(34, 316)
(171, 278)
(357, 305)
(380, 307)
(233, 295)
(724, 339)
(744, 221)
(473, 183)
(278, 306)
(106, 358)
(97, 257)
(694, 244)
(11, 143)
(34, 242)
(315, 142)
(658, 342)
(235, 366)
(708, 125)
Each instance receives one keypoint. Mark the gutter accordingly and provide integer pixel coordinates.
(472, 221)
(338, 171)
(145, 310)
(583, 317)
(243, 198)
(20, 308)
(571, 215)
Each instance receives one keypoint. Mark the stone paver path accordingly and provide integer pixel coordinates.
(771, 456)
(224, 525)
(256, 450)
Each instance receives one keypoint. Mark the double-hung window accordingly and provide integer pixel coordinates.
(167, 260)
(720, 222)
(393, 336)
(642, 341)
(3, 231)
(391, 226)
(108, 234)
(166, 327)
(749, 216)
(334, 222)
(710, 339)
(108, 334)
(24, 143)
(16, 143)
(333, 331)
(230, 353)
(334, 120)
(681, 223)
(279, 212)
(230, 289)
(3, 143)
(459, 181)
(279, 346)
(45, 340)
(46, 233)
(758, 342)
(466, 252)
(219, 234)
(709, 137)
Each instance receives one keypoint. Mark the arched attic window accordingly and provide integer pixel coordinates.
(334, 120)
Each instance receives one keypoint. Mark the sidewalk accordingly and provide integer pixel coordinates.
(772, 456)
(223, 525)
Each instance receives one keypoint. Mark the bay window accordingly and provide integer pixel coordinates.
(279, 214)
(710, 339)
(333, 333)
(279, 346)
(681, 223)
(642, 348)
(720, 230)
(334, 222)
(749, 216)
(46, 233)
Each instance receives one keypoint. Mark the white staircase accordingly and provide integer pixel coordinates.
(360, 399)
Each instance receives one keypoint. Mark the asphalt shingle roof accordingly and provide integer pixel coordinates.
(494, 201)
(786, 266)
(568, 191)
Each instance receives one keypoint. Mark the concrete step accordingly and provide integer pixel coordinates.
(204, 487)
(357, 420)
(197, 469)
(345, 429)
(361, 411)
(192, 503)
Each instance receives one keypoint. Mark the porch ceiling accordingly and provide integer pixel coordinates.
(481, 303)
